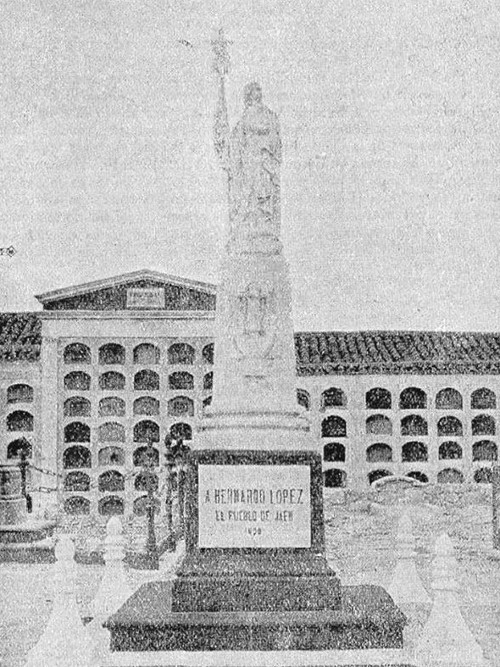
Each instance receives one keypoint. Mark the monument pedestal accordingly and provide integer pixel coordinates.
(276, 591)
(22, 537)
(255, 577)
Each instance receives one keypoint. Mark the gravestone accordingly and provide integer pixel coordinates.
(396, 490)
(255, 575)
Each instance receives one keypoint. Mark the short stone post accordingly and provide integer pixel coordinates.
(114, 588)
(446, 641)
(65, 641)
(406, 587)
(495, 499)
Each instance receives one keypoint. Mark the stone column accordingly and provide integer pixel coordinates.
(49, 425)
(495, 499)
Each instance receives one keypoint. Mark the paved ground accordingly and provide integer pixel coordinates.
(360, 538)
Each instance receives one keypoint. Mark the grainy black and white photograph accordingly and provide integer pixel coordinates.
(249, 333)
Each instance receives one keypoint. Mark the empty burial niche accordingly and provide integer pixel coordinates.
(77, 481)
(181, 353)
(378, 398)
(146, 405)
(77, 406)
(450, 426)
(77, 381)
(450, 476)
(77, 432)
(111, 406)
(77, 353)
(111, 432)
(413, 398)
(483, 476)
(77, 505)
(378, 425)
(111, 380)
(146, 354)
(109, 456)
(142, 481)
(77, 457)
(208, 353)
(414, 451)
(333, 397)
(414, 425)
(483, 399)
(143, 456)
(112, 353)
(19, 420)
(18, 447)
(449, 399)
(146, 430)
(450, 450)
(334, 451)
(180, 405)
(483, 425)
(111, 480)
(182, 380)
(111, 505)
(334, 478)
(304, 398)
(333, 427)
(484, 450)
(20, 393)
(146, 380)
(378, 452)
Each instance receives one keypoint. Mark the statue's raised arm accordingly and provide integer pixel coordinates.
(221, 125)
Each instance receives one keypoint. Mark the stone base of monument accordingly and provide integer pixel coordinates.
(366, 618)
(22, 537)
(28, 532)
(255, 578)
(31, 542)
(354, 658)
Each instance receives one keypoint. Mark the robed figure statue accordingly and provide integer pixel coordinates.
(251, 155)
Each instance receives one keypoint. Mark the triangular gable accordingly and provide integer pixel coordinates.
(139, 290)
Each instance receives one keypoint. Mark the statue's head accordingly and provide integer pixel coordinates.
(252, 93)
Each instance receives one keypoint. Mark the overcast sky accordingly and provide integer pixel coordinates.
(389, 116)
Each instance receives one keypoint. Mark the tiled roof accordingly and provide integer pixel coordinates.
(397, 352)
(329, 353)
(20, 337)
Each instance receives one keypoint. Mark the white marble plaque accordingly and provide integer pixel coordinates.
(258, 506)
(145, 297)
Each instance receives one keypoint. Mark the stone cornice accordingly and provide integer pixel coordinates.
(114, 281)
(127, 315)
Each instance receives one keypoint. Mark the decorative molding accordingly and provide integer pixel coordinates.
(127, 315)
(123, 279)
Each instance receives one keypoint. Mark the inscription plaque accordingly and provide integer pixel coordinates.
(145, 297)
(254, 506)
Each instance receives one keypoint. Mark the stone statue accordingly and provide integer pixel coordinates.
(251, 156)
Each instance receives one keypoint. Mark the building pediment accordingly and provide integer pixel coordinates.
(140, 290)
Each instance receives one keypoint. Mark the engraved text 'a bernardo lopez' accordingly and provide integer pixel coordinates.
(285, 496)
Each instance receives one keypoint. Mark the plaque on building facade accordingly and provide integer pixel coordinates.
(145, 297)
(256, 506)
